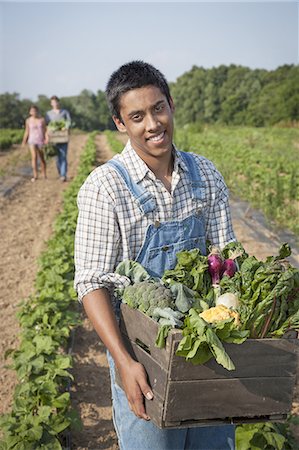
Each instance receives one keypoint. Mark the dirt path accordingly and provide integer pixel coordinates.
(26, 218)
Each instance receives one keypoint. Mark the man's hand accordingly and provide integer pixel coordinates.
(136, 387)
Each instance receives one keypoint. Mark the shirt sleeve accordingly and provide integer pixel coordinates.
(219, 224)
(97, 242)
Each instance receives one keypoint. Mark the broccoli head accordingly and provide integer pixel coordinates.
(147, 296)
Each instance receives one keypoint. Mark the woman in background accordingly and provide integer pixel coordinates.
(35, 133)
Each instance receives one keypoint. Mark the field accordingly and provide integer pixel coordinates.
(43, 261)
(259, 165)
(8, 137)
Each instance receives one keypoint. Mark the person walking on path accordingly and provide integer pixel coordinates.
(35, 136)
(146, 200)
(54, 115)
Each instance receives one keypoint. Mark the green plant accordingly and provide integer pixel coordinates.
(114, 143)
(258, 164)
(41, 408)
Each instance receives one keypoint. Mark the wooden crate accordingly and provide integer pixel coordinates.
(260, 389)
(58, 137)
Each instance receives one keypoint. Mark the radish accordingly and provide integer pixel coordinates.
(229, 268)
(215, 264)
(230, 265)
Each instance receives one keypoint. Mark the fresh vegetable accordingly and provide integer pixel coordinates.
(229, 268)
(201, 340)
(57, 125)
(185, 298)
(129, 272)
(229, 300)
(261, 299)
(215, 265)
(219, 313)
(147, 296)
(268, 292)
(192, 271)
(167, 316)
(167, 319)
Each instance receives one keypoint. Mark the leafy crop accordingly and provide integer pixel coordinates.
(258, 164)
(114, 143)
(41, 409)
(267, 436)
(8, 137)
(56, 125)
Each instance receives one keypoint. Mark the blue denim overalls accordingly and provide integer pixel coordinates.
(161, 243)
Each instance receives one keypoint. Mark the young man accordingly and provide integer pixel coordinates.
(56, 114)
(146, 204)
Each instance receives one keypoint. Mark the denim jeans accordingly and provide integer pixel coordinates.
(61, 160)
(137, 434)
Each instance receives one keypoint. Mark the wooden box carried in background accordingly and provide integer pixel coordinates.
(58, 136)
(260, 389)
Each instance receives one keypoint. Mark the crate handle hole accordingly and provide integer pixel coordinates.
(143, 346)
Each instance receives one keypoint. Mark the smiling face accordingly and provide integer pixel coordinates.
(147, 118)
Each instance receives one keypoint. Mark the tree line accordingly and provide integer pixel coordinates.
(232, 95)
(88, 111)
(237, 95)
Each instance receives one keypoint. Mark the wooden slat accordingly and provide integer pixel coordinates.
(220, 399)
(261, 386)
(137, 326)
(220, 422)
(253, 358)
(155, 408)
(58, 137)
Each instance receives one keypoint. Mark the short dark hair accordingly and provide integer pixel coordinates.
(133, 75)
(54, 97)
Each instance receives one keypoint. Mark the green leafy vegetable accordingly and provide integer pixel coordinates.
(57, 125)
(201, 340)
(162, 336)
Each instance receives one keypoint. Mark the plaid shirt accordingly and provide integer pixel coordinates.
(111, 227)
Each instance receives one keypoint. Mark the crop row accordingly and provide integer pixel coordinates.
(8, 137)
(259, 165)
(41, 407)
(115, 144)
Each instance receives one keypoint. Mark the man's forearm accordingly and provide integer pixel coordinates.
(97, 305)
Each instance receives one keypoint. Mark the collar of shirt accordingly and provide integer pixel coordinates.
(139, 170)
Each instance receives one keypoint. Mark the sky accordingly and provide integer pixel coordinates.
(61, 48)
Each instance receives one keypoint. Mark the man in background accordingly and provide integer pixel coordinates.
(57, 114)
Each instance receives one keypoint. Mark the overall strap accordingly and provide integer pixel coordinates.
(142, 197)
(198, 186)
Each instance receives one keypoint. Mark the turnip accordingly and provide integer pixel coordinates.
(215, 263)
(230, 265)
(228, 299)
(229, 268)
